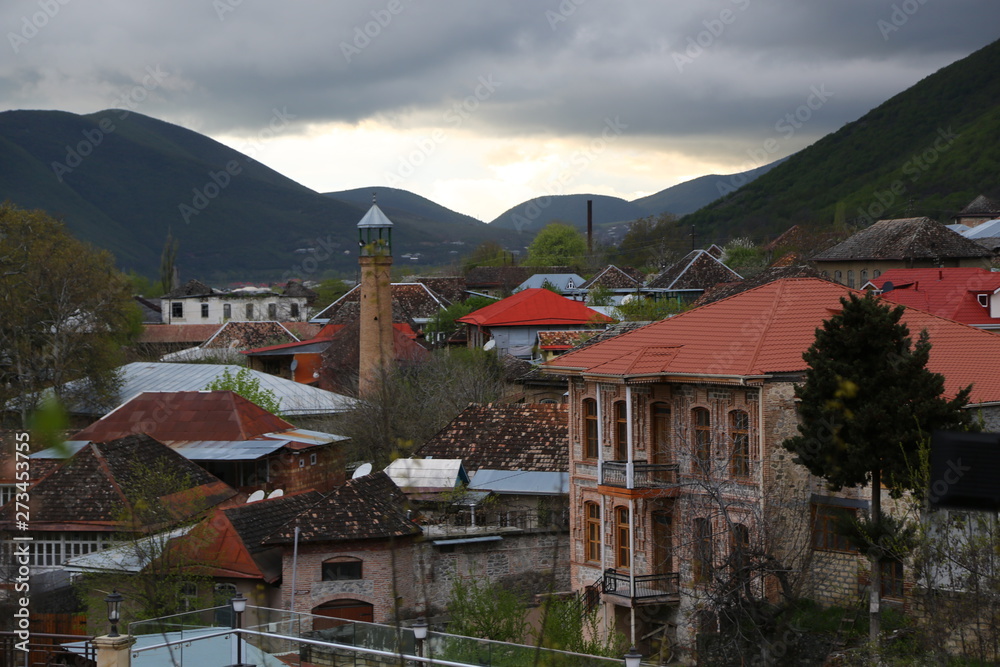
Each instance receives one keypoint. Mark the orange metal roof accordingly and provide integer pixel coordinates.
(765, 330)
(185, 415)
(535, 306)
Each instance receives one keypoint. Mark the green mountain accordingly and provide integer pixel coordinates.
(680, 199)
(121, 180)
(929, 150)
(692, 195)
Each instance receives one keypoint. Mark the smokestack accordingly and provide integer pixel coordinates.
(590, 226)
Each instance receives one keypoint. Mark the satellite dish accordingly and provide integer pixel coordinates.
(255, 496)
(294, 364)
(888, 287)
(277, 493)
(362, 470)
(490, 344)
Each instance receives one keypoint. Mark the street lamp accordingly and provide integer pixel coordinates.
(633, 658)
(420, 634)
(239, 606)
(114, 602)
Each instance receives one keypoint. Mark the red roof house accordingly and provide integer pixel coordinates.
(234, 439)
(967, 295)
(513, 323)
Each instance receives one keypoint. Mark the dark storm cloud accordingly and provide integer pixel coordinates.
(724, 71)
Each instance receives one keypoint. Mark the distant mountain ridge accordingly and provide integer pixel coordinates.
(678, 199)
(928, 151)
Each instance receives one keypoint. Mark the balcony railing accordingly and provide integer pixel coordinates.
(644, 475)
(647, 586)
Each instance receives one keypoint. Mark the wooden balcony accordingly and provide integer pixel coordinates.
(644, 475)
(649, 588)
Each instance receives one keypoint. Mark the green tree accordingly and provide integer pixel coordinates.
(330, 290)
(246, 385)
(652, 243)
(867, 406)
(443, 323)
(641, 309)
(744, 257)
(67, 313)
(487, 253)
(557, 244)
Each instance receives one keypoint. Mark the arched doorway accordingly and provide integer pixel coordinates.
(342, 611)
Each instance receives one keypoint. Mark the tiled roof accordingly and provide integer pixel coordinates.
(903, 238)
(255, 522)
(295, 288)
(534, 307)
(726, 290)
(696, 270)
(193, 334)
(366, 508)
(411, 302)
(185, 416)
(950, 293)
(766, 330)
(90, 490)
(230, 543)
(563, 340)
(247, 335)
(505, 436)
(303, 330)
(612, 277)
(452, 288)
(981, 206)
(190, 288)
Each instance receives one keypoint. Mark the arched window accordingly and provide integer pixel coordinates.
(876, 273)
(621, 432)
(838, 277)
(702, 561)
(661, 433)
(739, 435)
(623, 531)
(589, 428)
(340, 568)
(702, 423)
(864, 277)
(592, 550)
(850, 278)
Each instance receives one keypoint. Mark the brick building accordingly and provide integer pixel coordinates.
(676, 465)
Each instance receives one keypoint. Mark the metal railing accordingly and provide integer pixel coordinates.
(644, 475)
(43, 649)
(647, 586)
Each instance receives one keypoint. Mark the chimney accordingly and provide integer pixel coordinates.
(590, 226)
(375, 262)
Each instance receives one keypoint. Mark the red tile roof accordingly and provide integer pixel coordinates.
(950, 293)
(765, 330)
(178, 333)
(90, 490)
(535, 306)
(184, 416)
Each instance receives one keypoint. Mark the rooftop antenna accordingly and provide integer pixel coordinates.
(374, 195)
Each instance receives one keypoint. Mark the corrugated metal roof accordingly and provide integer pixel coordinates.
(521, 482)
(226, 450)
(427, 473)
(128, 557)
(296, 399)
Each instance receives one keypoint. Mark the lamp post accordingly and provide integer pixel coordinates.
(420, 634)
(633, 658)
(239, 606)
(114, 602)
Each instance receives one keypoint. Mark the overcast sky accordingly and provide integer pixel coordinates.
(481, 105)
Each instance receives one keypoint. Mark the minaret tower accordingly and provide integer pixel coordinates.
(375, 260)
